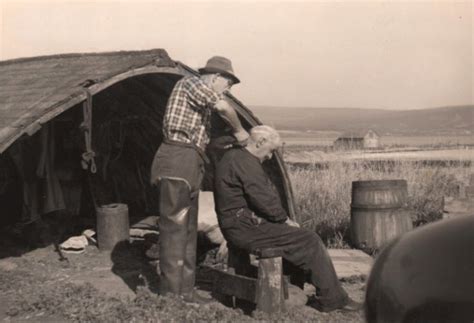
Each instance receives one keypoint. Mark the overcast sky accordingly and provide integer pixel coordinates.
(371, 54)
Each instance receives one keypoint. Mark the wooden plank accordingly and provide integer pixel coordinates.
(234, 285)
(350, 262)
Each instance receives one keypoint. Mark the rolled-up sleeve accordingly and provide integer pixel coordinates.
(259, 192)
(200, 95)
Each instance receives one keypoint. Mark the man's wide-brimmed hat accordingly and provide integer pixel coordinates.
(221, 65)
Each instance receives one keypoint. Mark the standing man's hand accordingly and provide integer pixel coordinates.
(292, 223)
(227, 112)
(242, 137)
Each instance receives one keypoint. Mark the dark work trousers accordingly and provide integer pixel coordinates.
(178, 171)
(302, 248)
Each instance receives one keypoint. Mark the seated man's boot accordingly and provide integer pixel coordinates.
(347, 305)
(351, 306)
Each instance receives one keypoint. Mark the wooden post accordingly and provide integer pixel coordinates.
(461, 190)
(270, 293)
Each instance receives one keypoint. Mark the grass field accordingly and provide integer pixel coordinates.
(323, 191)
(310, 155)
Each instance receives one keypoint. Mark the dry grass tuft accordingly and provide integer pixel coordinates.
(323, 194)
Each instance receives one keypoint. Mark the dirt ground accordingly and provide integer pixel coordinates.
(94, 286)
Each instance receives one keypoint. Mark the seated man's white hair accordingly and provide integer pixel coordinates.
(266, 132)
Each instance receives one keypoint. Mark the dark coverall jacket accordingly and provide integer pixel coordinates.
(251, 216)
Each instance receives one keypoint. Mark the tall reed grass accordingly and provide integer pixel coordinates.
(323, 194)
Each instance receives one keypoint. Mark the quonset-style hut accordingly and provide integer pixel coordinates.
(63, 117)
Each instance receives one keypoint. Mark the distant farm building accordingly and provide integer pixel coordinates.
(368, 139)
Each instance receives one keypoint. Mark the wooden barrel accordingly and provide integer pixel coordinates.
(378, 212)
(112, 225)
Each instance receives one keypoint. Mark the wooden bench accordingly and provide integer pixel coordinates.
(265, 287)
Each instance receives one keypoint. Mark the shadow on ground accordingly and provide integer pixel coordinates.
(133, 267)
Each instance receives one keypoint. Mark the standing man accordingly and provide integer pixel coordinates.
(178, 169)
(251, 216)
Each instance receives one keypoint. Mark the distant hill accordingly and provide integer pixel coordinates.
(456, 120)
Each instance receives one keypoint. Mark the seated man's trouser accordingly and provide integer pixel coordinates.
(302, 248)
(178, 172)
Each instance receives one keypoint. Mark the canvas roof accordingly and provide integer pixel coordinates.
(32, 90)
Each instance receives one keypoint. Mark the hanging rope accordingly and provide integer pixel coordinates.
(88, 160)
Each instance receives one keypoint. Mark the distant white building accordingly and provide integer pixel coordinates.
(367, 139)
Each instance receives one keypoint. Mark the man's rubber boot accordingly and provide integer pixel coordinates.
(189, 270)
(173, 222)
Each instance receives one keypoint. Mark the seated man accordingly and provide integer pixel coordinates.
(251, 216)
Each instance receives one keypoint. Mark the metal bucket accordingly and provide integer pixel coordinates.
(112, 225)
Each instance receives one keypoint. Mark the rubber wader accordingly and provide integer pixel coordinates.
(175, 202)
(189, 270)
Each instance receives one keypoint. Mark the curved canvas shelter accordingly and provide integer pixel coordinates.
(44, 103)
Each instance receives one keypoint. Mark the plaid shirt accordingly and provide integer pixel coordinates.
(188, 112)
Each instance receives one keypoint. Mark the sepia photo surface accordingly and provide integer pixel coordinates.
(373, 102)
